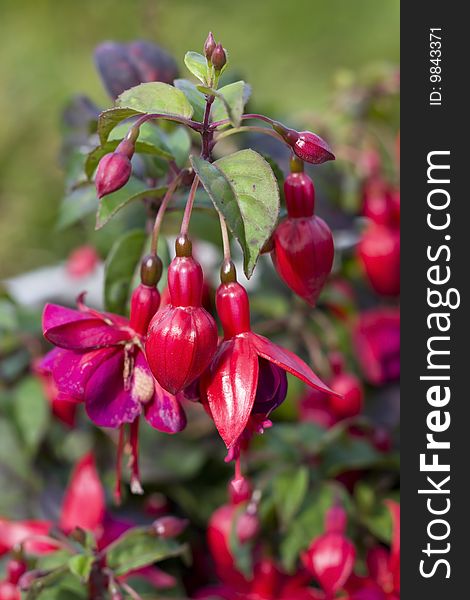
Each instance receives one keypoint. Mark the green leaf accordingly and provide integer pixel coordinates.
(80, 565)
(153, 97)
(349, 453)
(194, 96)
(76, 205)
(156, 97)
(197, 64)
(230, 102)
(257, 194)
(138, 548)
(135, 189)
(242, 552)
(31, 412)
(179, 142)
(119, 268)
(290, 489)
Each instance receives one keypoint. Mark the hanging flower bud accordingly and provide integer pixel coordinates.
(379, 254)
(308, 146)
(114, 169)
(330, 558)
(303, 244)
(209, 46)
(350, 400)
(219, 57)
(182, 337)
(169, 527)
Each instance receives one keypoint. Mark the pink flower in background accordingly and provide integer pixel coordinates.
(82, 261)
(376, 338)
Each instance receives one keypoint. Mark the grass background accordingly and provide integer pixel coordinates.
(289, 52)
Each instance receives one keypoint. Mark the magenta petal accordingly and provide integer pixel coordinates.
(229, 386)
(164, 412)
(107, 403)
(288, 361)
(72, 370)
(73, 330)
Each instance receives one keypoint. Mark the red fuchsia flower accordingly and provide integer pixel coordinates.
(229, 387)
(115, 168)
(182, 337)
(383, 579)
(376, 339)
(315, 407)
(330, 558)
(99, 360)
(303, 249)
(82, 261)
(349, 399)
(379, 255)
(381, 203)
(308, 146)
(83, 507)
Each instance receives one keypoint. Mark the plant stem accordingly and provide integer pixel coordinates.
(247, 128)
(225, 238)
(188, 122)
(161, 213)
(207, 132)
(189, 206)
(243, 117)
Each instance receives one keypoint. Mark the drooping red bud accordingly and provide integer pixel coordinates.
(303, 255)
(169, 527)
(233, 308)
(312, 148)
(182, 337)
(379, 253)
(209, 46)
(15, 569)
(113, 173)
(145, 301)
(350, 402)
(219, 57)
(82, 261)
(239, 490)
(300, 195)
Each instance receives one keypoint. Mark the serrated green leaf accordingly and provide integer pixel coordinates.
(194, 96)
(197, 65)
(31, 412)
(80, 565)
(119, 269)
(257, 194)
(230, 102)
(156, 97)
(290, 489)
(76, 205)
(138, 548)
(135, 189)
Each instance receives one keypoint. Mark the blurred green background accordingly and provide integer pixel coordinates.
(289, 52)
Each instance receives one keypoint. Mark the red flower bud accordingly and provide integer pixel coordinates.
(113, 173)
(169, 527)
(82, 261)
(145, 302)
(381, 203)
(233, 309)
(182, 337)
(209, 46)
(15, 569)
(312, 148)
(379, 253)
(219, 58)
(240, 490)
(351, 400)
(9, 591)
(300, 195)
(335, 520)
(303, 255)
(330, 558)
(377, 344)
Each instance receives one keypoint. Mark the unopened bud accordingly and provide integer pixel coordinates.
(219, 58)
(240, 490)
(113, 173)
(151, 270)
(209, 46)
(169, 527)
(228, 273)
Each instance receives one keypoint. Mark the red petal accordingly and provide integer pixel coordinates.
(288, 361)
(229, 386)
(16, 532)
(84, 501)
(74, 330)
